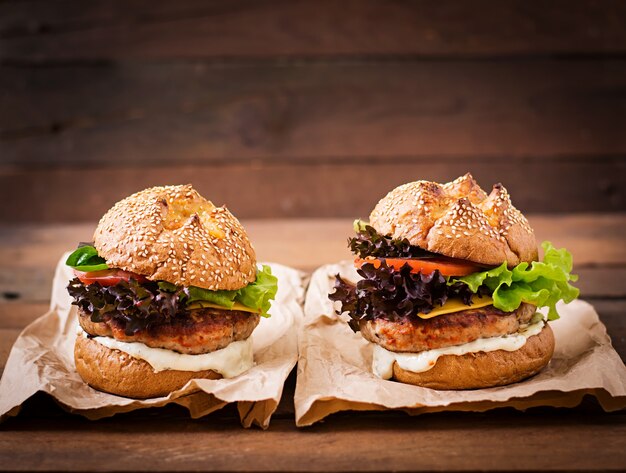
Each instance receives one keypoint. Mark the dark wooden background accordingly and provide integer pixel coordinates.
(309, 108)
(313, 109)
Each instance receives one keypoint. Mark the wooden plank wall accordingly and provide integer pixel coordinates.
(309, 108)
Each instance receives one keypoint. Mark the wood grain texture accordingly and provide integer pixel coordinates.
(72, 30)
(459, 442)
(18, 314)
(7, 339)
(182, 113)
(580, 439)
(612, 313)
(320, 190)
(298, 109)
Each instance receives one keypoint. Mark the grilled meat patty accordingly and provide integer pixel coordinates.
(197, 331)
(414, 334)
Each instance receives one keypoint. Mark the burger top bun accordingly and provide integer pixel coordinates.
(457, 219)
(174, 234)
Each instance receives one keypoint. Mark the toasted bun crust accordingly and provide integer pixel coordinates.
(457, 219)
(484, 369)
(115, 372)
(174, 234)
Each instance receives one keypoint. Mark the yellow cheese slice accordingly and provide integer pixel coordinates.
(456, 305)
(205, 304)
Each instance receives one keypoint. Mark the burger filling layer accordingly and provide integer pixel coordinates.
(383, 360)
(401, 283)
(191, 332)
(230, 361)
(413, 334)
(416, 306)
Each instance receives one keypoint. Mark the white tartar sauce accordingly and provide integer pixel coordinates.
(382, 364)
(230, 361)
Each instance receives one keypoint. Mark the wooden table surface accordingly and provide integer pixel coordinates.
(43, 437)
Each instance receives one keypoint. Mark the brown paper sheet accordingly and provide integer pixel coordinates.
(42, 360)
(334, 368)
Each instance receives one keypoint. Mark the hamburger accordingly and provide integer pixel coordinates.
(168, 291)
(450, 286)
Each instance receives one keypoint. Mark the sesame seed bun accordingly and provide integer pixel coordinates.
(115, 372)
(174, 234)
(459, 220)
(484, 369)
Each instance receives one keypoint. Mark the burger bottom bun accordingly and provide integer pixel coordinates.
(116, 372)
(484, 369)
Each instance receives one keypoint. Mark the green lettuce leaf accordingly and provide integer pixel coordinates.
(359, 225)
(256, 295)
(542, 283)
(85, 258)
(223, 298)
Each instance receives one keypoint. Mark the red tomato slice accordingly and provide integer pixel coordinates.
(108, 277)
(446, 266)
